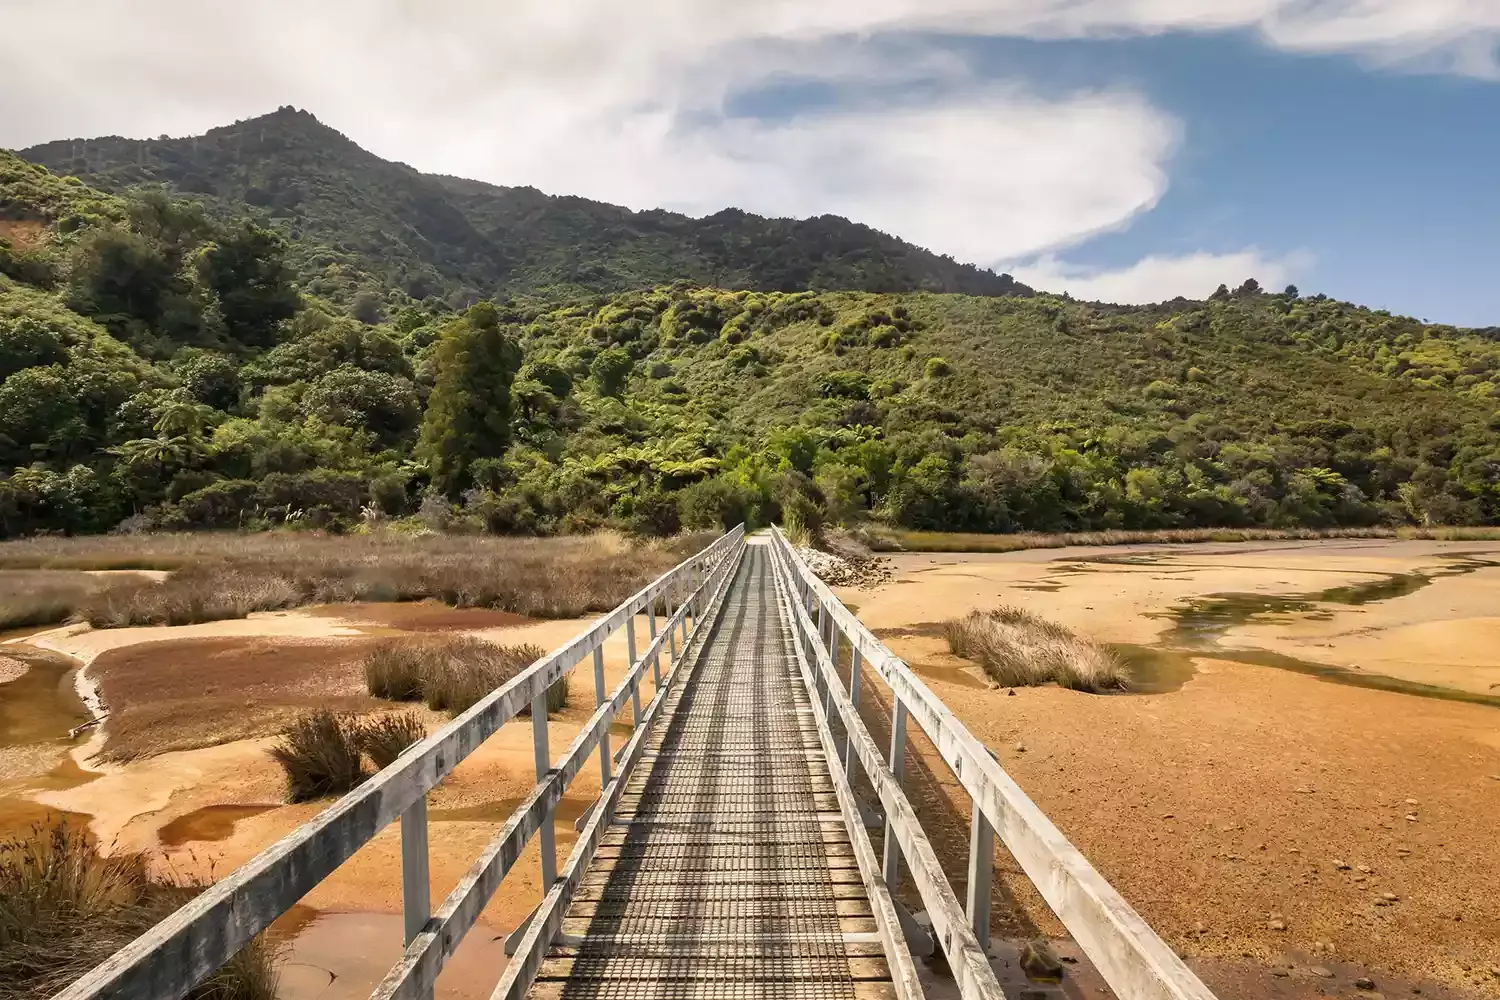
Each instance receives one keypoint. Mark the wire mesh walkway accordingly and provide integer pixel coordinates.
(727, 871)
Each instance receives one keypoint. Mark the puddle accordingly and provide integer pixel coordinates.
(211, 823)
(500, 810)
(344, 956)
(394, 618)
(40, 705)
(1153, 670)
(1201, 622)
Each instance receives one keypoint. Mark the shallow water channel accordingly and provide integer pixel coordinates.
(1200, 623)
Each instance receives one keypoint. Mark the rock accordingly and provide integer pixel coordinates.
(1011, 693)
(1167, 816)
(995, 686)
(1364, 983)
(1039, 961)
(1321, 972)
(1342, 866)
(1411, 802)
(1366, 869)
(1020, 748)
(1276, 923)
(1411, 817)
(1200, 928)
(1389, 897)
(1281, 973)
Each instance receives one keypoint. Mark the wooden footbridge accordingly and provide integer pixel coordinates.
(728, 855)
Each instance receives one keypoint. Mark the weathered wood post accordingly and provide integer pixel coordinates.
(898, 771)
(981, 874)
(547, 836)
(416, 888)
(599, 700)
(856, 659)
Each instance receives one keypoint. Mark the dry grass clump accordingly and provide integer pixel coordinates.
(384, 739)
(228, 575)
(64, 908)
(42, 597)
(1018, 649)
(320, 754)
(452, 673)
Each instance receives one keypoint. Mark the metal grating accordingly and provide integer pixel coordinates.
(716, 879)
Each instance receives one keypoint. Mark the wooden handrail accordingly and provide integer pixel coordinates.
(1130, 956)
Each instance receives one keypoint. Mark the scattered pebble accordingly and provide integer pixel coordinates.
(1366, 869)
(1277, 922)
(1342, 866)
(1364, 983)
(1020, 748)
(1411, 802)
(1321, 972)
(1389, 897)
(1167, 816)
(1039, 961)
(1411, 817)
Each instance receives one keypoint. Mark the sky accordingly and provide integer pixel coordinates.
(1123, 150)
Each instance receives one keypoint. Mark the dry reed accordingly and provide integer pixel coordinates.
(217, 576)
(384, 739)
(320, 754)
(452, 673)
(1018, 649)
(64, 908)
(887, 539)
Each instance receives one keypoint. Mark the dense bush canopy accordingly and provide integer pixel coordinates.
(161, 368)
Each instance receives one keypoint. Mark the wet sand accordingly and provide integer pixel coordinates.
(1242, 796)
(1214, 803)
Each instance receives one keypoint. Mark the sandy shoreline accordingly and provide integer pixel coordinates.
(1213, 806)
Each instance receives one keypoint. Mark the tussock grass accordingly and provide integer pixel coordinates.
(64, 908)
(42, 597)
(384, 738)
(320, 754)
(451, 673)
(218, 576)
(1018, 649)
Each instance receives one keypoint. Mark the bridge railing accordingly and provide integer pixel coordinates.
(181, 951)
(1135, 962)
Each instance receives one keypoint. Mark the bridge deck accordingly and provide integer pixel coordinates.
(728, 871)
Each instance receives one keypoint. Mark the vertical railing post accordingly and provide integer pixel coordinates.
(599, 700)
(546, 834)
(651, 624)
(416, 888)
(855, 660)
(981, 874)
(671, 610)
(898, 771)
(635, 691)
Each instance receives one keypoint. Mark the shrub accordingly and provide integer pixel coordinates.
(384, 739)
(1019, 649)
(394, 668)
(449, 674)
(938, 368)
(64, 908)
(320, 755)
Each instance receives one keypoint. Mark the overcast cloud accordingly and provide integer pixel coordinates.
(625, 102)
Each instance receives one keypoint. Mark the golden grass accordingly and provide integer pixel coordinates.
(64, 908)
(892, 539)
(43, 597)
(1018, 649)
(229, 575)
(384, 738)
(450, 673)
(320, 753)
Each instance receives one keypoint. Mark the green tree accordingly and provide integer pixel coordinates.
(611, 370)
(468, 414)
(246, 269)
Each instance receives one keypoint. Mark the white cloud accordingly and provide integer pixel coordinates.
(625, 102)
(1157, 279)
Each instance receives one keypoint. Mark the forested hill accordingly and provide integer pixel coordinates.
(159, 368)
(363, 224)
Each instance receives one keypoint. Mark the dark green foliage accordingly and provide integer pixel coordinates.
(365, 223)
(246, 268)
(469, 411)
(703, 407)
